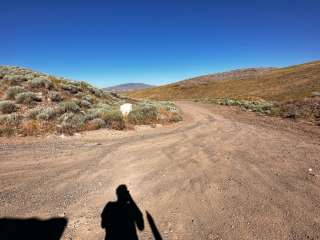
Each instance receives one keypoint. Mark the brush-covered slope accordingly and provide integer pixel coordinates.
(127, 87)
(33, 103)
(280, 84)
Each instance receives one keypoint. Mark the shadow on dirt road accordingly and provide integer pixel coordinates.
(121, 218)
(32, 228)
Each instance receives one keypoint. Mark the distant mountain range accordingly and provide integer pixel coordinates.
(128, 87)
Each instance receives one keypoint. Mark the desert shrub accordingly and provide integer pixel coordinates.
(46, 114)
(113, 119)
(103, 106)
(88, 98)
(13, 91)
(71, 122)
(79, 95)
(11, 119)
(40, 83)
(33, 113)
(30, 76)
(69, 106)
(30, 127)
(143, 114)
(95, 124)
(97, 92)
(168, 106)
(9, 124)
(175, 117)
(84, 85)
(72, 88)
(260, 106)
(85, 103)
(98, 111)
(27, 97)
(54, 96)
(308, 109)
(8, 107)
(14, 79)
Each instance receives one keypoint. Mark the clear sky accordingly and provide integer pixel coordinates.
(110, 42)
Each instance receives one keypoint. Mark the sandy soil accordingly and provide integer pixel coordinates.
(220, 174)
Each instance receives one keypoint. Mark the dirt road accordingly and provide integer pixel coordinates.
(219, 174)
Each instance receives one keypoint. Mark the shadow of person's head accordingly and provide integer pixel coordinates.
(123, 194)
(121, 218)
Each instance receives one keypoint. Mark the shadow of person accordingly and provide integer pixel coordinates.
(155, 232)
(32, 228)
(120, 218)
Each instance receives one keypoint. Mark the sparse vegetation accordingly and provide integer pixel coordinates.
(48, 104)
(269, 91)
(261, 106)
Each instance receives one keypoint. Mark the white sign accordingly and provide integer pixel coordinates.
(126, 109)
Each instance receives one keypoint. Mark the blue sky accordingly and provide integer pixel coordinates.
(115, 41)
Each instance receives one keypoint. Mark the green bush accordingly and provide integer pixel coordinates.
(13, 91)
(7, 107)
(69, 106)
(27, 97)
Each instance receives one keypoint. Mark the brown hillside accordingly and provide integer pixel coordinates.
(275, 84)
